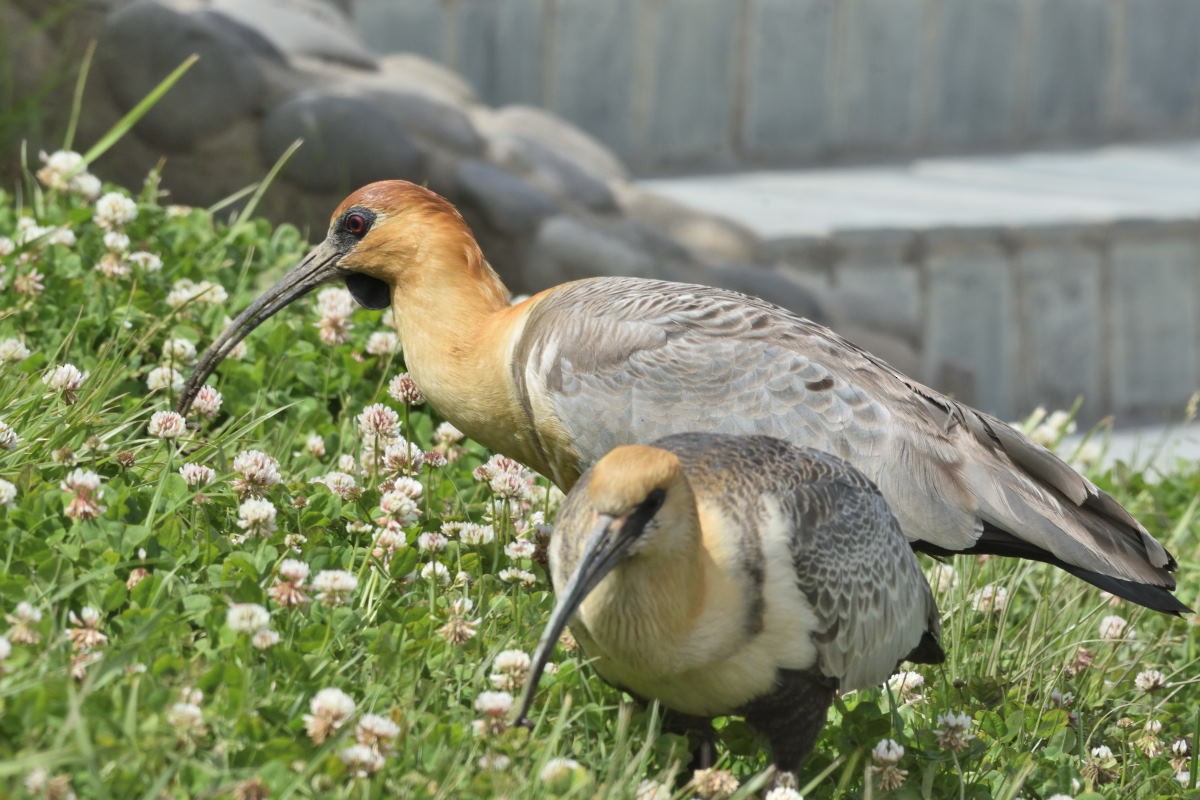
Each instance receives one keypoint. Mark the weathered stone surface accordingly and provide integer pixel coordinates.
(970, 314)
(143, 41)
(708, 237)
(500, 48)
(427, 118)
(547, 169)
(1061, 331)
(879, 87)
(789, 72)
(978, 78)
(879, 297)
(567, 248)
(592, 83)
(414, 26)
(305, 27)
(1159, 85)
(411, 71)
(348, 141)
(693, 80)
(1155, 324)
(554, 133)
(1069, 59)
(507, 203)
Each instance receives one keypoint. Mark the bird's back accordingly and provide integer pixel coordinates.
(611, 361)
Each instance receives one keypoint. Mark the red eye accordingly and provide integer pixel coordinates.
(356, 224)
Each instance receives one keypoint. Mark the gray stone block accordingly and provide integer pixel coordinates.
(883, 297)
(1160, 81)
(143, 41)
(500, 47)
(970, 315)
(1155, 325)
(693, 79)
(567, 248)
(415, 26)
(788, 78)
(302, 27)
(1061, 328)
(555, 133)
(979, 73)
(427, 118)
(508, 203)
(337, 130)
(879, 84)
(1070, 55)
(591, 69)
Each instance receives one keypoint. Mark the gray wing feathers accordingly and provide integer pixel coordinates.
(625, 360)
(861, 577)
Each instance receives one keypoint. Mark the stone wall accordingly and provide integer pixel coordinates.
(802, 81)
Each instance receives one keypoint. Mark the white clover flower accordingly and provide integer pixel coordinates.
(186, 718)
(511, 668)
(7, 246)
(782, 793)
(1113, 628)
(8, 493)
(264, 639)
(498, 762)
(1060, 797)
(474, 534)
(1149, 680)
(1102, 752)
(404, 389)
(116, 242)
(257, 517)
(164, 377)
(86, 185)
(26, 614)
(334, 586)
(61, 235)
(258, 471)
(494, 704)
(331, 709)
(402, 455)
(906, 685)
(1181, 748)
(887, 751)
(341, 484)
(207, 402)
(13, 350)
(362, 761)
(145, 261)
(8, 437)
(178, 351)
(335, 302)
(430, 542)
(954, 731)
(943, 578)
(514, 575)
(86, 488)
(247, 617)
(114, 210)
(518, 549)
(376, 731)
(436, 571)
(990, 598)
(315, 445)
(185, 292)
(60, 169)
(446, 434)
(378, 420)
(197, 474)
(1183, 777)
(64, 378)
(293, 570)
(166, 425)
(5, 648)
(112, 266)
(383, 343)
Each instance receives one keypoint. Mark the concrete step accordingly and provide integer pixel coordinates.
(1020, 280)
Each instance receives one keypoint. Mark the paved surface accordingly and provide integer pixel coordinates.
(1156, 182)
(1160, 447)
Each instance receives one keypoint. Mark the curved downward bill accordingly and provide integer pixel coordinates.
(319, 266)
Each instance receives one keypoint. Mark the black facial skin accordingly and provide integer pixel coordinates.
(368, 292)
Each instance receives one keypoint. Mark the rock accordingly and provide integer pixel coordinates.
(769, 285)
(550, 170)
(427, 117)
(143, 41)
(504, 201)
(305, 27)
(411, 70)
(347, 142)
(706, 236)
(560, 136)
(567, 248)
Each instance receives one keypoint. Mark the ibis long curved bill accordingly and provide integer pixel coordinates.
(319, 266)
(607, 544)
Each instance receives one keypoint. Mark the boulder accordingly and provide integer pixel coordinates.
(568, 248)
(504, 200)
(302, 27)
(427, 117)
(409, 70)
(554, 133)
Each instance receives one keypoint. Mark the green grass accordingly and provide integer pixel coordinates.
(113, 730)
